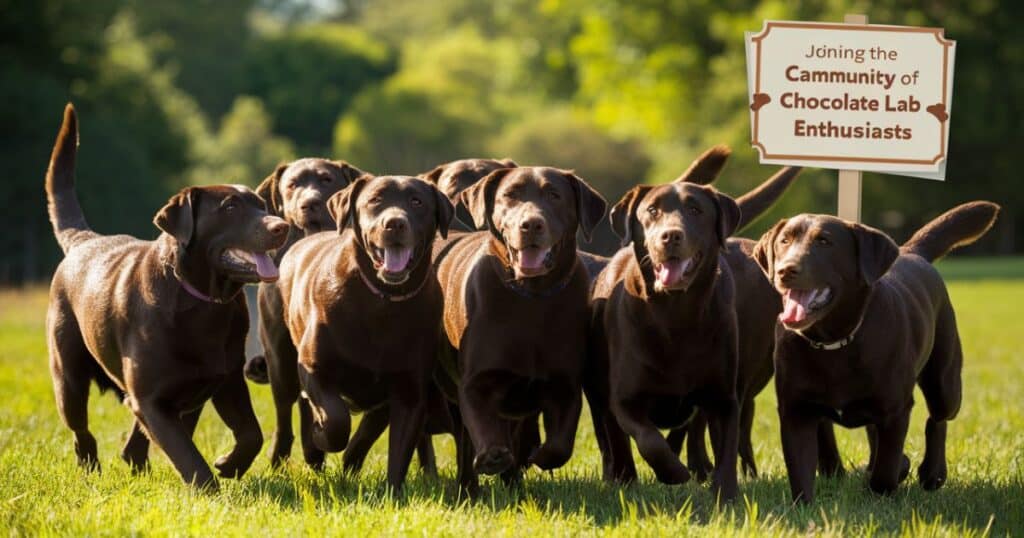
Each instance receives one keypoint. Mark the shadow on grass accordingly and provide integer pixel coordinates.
(842, 503)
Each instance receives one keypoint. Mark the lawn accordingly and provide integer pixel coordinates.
(42, 491)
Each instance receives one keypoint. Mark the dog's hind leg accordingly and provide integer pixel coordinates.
(746, 446)
(940, 383)
(697, 459)
(370, 428)
(72, 368)
(136, 450)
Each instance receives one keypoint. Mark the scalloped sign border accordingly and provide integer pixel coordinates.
(761, 94)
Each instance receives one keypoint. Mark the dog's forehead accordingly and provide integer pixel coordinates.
(538, 177)
(397, 184)
(813, 225)
(220, 192)
(679, 192)
(303, 166)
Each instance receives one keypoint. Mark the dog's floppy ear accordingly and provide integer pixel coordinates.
(764, 249)
(705, 169)
(508, 163)
(341, 204)
(876, 252)
(177, 217)
(347, 172)
(590, 205)
(728, 215)
(444, 213)
(623, 214)
(270, 190)
(478, 199)
(434, 175)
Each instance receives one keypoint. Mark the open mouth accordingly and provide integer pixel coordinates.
(798, 305)
(676, 272)
(249, 263)
(392, 263)
(531, 261)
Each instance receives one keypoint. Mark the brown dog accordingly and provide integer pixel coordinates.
(298, 192)
(675, 336)
(863, 321)
(163, 321)
(516, 317)
(364, 309)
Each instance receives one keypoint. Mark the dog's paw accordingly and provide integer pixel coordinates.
(493, 460)
(676, 474)
(256, 370)
(547, 458)
(229, 467)
(931, 479)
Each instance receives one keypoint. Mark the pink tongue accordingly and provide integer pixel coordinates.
(532, 258)
(668, 273)
(793, 310)
(265, 266)
(396, 259)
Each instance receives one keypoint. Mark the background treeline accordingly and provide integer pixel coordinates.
(623, 91)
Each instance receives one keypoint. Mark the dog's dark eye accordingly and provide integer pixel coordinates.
(694, 210)
(823, 241)
(325, 178)
(554, 195)
(416, 201)
(652, 210)
(374, 200)
(784, 240)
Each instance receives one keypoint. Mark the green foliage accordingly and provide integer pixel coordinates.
(307, 76)
(245, 148)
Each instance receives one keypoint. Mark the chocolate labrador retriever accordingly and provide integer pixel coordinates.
(162, 321)
(516, 317)
(755, 368)
(864, 320)
(363, 307)
(298, 193)
(454, 177)
(669, 333)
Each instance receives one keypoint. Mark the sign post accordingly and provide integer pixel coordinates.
(852, 97)
(848, 205)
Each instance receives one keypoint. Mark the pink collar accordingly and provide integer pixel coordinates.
(383, 295)
(202, 296)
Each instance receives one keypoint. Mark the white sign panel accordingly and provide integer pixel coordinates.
(849, 96)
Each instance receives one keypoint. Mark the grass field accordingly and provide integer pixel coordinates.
(42, 491)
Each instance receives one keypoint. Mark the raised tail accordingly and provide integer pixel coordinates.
(959, 226)
(754, 203)
(66, 215)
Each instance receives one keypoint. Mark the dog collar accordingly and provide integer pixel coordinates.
(387, 296)
(554, 290)
(199, 294)
(838, 344)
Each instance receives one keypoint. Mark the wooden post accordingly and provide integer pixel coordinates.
(849, 180)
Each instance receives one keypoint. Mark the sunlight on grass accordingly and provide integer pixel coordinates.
(43, 491)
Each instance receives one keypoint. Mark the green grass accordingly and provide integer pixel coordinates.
(42, 491)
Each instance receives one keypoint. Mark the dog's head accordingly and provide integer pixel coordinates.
(456, 176)
(298, 191)
(394, 219)
(678, 229)
(534, 212)
(228, 227)
(819, 261)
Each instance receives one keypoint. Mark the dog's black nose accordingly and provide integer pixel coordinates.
(788, 270)
(395, 224)
(671, 236)
(311, 205)
(531, 225)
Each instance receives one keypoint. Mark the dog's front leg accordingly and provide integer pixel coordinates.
(562, 406)
(234, 406)
(800, 450)
(166, 428)
(408, 406)
(491, 437)
(891, 465)
(726, 417)
(371, 427)
(632, 415)
(332, 422)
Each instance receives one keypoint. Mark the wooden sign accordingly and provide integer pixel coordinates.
(851, 96)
